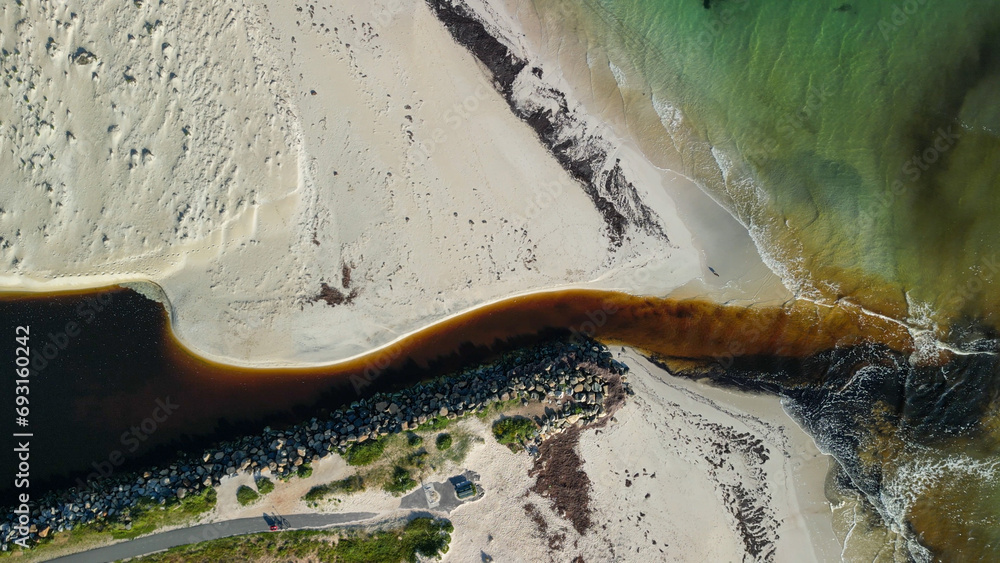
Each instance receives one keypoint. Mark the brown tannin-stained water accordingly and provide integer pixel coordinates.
(111, 386)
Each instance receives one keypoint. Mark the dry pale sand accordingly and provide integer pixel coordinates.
(240, 155)
(662, 477)
(679, 423)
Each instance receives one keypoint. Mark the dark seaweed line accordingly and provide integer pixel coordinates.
(615, 198)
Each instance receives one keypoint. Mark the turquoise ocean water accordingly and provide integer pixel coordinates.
(864, 136)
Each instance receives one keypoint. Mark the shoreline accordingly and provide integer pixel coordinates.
(806, 514)
(596, 314)
(229, 309)
(584, 71)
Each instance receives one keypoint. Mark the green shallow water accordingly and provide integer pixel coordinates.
(870, 127)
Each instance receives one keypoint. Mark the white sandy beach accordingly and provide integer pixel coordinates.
(239, 156)
(243, 155)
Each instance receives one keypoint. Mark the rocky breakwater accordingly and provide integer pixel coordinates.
(575, 373)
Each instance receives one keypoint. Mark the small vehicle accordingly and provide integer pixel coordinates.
(274, 522)
(465, 490)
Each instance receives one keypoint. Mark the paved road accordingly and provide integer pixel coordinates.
(205, 532)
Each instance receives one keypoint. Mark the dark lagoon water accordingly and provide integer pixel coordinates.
(108, 387)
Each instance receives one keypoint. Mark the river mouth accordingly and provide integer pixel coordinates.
(112, 388)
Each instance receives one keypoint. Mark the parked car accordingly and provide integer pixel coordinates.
(465, 490)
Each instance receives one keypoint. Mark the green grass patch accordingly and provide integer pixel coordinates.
(421, 537)
(305, 471)
(245, 495)
(443, 441)
(148, 516)
(434, 424)
(513, 432)
(416, 460)
(462, 443)
(378, 462)
(400, 482)
(264, 485)
(352, 484)
(365, 453)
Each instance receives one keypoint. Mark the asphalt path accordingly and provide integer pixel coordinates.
(205, 532)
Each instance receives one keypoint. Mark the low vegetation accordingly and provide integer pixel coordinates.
(397, 462)
(264, 485)
(514, 432)
(497, 408)
(365, 453)
(350, 485)
(149, 515)
(246, 496)
(435, 424)
(443, 441)
(400, 482)
(305, 471)
(416, 460)
(420, 538)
